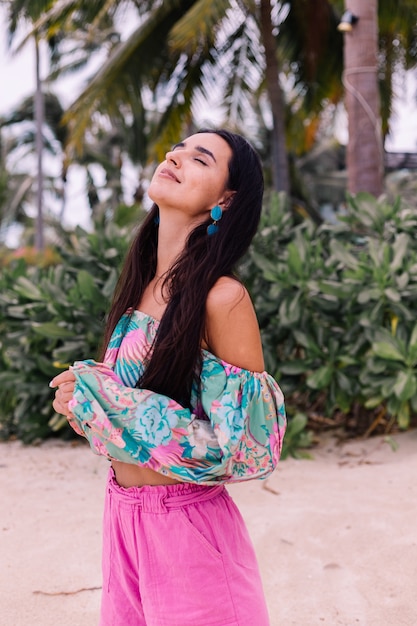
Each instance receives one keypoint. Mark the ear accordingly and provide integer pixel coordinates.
(226, 199)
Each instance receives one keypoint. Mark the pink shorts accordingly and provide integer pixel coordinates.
(178, 555)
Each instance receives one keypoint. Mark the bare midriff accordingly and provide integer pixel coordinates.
(132, 476)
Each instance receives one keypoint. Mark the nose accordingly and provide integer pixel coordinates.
(173, 158)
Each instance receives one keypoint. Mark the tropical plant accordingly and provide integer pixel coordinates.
(50, 317)
(105, 149)
(182, 63)
(298, 438)
(29, 11)
(365, 156)
(20, 146)
(182, 53)
(336, 306)
(336, 309)
(390, 378)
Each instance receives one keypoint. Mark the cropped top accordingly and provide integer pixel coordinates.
(235, 432)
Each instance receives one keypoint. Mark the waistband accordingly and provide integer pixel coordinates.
(159, 498)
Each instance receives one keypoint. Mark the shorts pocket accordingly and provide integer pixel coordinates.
(205, 540)
(190, 581)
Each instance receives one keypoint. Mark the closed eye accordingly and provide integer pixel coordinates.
(200, 161)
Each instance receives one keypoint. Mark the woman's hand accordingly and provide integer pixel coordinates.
(65, 383)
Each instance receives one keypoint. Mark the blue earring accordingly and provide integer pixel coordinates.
(216, 215)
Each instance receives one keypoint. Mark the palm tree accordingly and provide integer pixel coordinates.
(182, 51)
(32, 12)
(365, 157)
(18, 151)
(104, 148)
(312, 50)
(179, 54)
(280, 169)
(190, 49)
(54, 132)
(14, 189)
(366, 62)
(382, 42)
(29, 11)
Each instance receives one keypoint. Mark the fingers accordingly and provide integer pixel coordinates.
(64, 377)
(65, 392)
(60, 408)
(65, 383)
(62, 397)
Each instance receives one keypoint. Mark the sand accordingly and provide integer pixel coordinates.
(336, 536)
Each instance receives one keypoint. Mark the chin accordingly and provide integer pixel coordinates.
(155, 198)
(155, 193)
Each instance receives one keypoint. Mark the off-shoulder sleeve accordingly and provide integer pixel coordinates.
(241, 439)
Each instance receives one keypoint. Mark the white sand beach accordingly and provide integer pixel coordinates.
(336, 536)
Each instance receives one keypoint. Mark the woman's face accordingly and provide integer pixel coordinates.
(193, 177)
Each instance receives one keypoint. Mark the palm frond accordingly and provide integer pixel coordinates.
(177, 116)
(198, 27)
(140, 56)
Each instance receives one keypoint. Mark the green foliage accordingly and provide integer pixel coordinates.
(336, 306)
(297, 438)
(50, 317)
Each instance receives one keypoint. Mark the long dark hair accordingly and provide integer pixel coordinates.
(176, 354)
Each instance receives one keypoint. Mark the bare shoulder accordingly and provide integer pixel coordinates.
(232, 331)
(227, 291)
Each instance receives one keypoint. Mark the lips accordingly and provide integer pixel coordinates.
(166, 172)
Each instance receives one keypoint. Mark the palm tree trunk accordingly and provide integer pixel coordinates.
(280, 169)
(365, 159)
(39, 117)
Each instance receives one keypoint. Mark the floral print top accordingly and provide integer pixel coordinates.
(235, 432)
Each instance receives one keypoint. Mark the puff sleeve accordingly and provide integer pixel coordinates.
(240, 440)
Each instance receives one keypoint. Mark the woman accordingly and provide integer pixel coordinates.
(181, 404)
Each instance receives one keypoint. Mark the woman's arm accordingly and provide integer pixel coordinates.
(246, 418)
(232, 331)
(240, 441)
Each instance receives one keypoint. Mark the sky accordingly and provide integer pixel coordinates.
(17, 80)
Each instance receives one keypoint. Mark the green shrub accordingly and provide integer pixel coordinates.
(50, 317)
(336, 306)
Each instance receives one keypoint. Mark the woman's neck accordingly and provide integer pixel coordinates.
(172, 236)
(170, 246)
